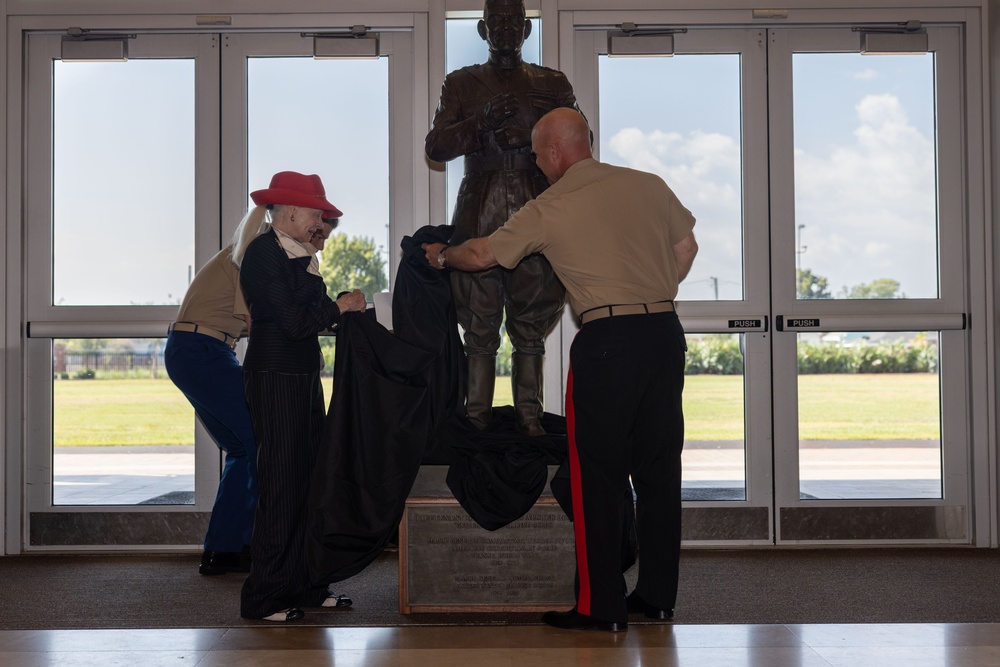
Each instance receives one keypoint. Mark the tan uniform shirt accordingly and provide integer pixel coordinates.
(608, 232)
(214, 298)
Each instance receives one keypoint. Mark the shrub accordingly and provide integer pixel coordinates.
(714, 356)
(722, 356)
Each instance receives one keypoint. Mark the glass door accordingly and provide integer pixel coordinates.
(121, 208)
(867, 231)
(825, 397)
(287, 109)
(693, 116)
(138, 171)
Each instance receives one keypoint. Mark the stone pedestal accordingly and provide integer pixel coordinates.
(447, 562)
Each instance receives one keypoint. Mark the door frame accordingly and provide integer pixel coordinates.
(25, 465)
(970, 403)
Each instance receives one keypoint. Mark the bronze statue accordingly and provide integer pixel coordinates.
(486, 113)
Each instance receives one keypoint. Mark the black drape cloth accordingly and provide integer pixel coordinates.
(396, 405)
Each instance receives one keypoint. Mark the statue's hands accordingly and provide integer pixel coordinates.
(497, 110)
(512, 136)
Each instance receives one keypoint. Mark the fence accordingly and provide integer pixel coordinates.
(88, 364)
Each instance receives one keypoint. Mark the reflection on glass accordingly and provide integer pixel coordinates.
(304, 115)
(123, 159)
(869, 415)
(122, 433)
(680, 118)
(714, 458)
(865, 176)
(463, 47)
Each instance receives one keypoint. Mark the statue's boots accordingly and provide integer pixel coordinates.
(526, 383)
(479, 392)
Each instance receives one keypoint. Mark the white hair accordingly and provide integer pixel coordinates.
(253, 224)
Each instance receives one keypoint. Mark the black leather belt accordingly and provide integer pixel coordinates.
(504, 162)
(206, 331)
(625, 309)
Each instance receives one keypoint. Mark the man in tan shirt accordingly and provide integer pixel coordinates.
(621, 242)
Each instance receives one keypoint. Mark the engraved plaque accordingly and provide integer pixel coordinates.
(449, 563)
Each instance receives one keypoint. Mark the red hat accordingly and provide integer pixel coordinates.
(290, 188)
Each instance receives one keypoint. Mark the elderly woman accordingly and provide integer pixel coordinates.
(289, 306)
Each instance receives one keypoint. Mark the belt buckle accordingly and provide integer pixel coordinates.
(508, 161)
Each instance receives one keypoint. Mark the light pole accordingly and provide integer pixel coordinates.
(799, 249)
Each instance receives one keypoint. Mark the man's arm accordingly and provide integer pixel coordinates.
(473, 255)
(684, 253)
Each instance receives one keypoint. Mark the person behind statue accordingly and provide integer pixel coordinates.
(289, 306)
(623, 396)
(200, 358)
(486, 113)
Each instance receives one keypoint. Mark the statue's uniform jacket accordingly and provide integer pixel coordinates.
(489, 197)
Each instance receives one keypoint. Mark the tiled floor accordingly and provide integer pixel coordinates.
(525, 646)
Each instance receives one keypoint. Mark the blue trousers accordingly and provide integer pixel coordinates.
(209, 375)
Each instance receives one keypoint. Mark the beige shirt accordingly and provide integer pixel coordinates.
(608, 232)
(214, 298)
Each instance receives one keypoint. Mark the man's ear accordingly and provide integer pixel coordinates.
(527, 28)
(481, 27)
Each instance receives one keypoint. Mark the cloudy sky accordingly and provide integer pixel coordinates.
(864, 161)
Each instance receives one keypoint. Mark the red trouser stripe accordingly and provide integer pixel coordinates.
(579, 527)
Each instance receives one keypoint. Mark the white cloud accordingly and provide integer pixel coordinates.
(872, 197)
(867, 74)
(869, 203)
(701, 167)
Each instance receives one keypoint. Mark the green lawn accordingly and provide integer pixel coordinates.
(121, 412)
(832, 407)
(885, 406)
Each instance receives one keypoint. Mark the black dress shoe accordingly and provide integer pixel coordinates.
(637, 605)
(574, 620)
(220, 562)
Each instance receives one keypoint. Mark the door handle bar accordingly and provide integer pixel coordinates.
(915, 322)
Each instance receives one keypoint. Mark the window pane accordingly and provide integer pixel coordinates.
(123, 182)
(693, 141)
(714, 457)
(865, 176)
(869, 415)
(463, 47)
(332, 120)
(122, 432)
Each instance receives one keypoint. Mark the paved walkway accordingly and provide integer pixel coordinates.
(712, 471)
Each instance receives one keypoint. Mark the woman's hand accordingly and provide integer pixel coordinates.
(352, 301)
